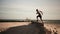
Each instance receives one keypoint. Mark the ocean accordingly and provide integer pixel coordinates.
(52, 21)
(45, 21)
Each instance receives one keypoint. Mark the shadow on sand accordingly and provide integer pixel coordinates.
(32, 28)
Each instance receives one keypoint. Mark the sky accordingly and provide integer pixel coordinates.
(22, 9)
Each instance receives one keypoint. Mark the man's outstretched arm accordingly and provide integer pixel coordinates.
(41, 12)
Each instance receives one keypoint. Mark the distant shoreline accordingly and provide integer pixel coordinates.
(45, 21)
(18, 20)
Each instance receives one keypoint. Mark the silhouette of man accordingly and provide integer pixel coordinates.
(39, 15)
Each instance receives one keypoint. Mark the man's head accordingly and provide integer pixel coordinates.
(36, 9)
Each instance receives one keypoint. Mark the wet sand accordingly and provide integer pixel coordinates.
(6, 25)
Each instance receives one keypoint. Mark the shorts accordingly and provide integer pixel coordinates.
(39, 16)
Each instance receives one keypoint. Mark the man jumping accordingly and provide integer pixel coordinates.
(39, 15)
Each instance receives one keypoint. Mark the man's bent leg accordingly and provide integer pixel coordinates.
(37, 18)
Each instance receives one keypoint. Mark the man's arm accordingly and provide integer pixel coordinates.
(41, 12)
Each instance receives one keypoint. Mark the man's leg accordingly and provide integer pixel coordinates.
(37, 18)
(41, 19)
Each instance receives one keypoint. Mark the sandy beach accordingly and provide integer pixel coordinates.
(55, 27)
(6, 25)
